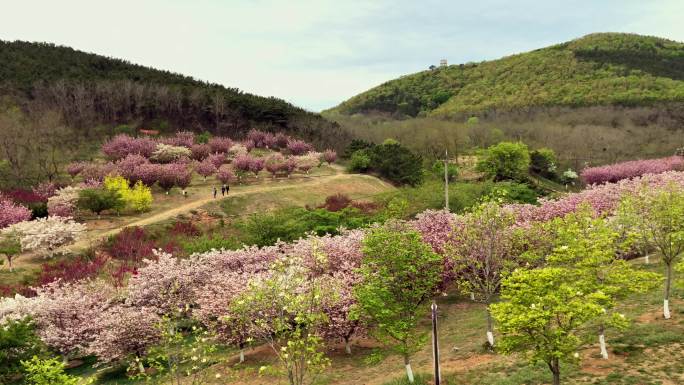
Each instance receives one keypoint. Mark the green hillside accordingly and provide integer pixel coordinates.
(88, 90)
(597, 69)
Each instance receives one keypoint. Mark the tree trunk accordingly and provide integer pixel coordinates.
(242, 353)
(141, 367)
(472, 296)
(602, 342)
(409, 372)
(668, 283)
(554, 365)
(490, 330)
(347, 346)
(9, 263)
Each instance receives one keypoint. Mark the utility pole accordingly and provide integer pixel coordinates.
(435, 345)
(446, 180)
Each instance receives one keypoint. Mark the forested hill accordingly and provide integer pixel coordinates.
(90, 90)
(597, 69)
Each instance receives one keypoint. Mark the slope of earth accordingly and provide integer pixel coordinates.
(89, 90)
(597, 69)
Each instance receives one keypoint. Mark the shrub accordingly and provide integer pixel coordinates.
(329, 156)
(336, 202)
(360, 161)
(515, 192)
(506, 160)
(18, 342)
(438, 170)
(354, 146)
(48, 371)
(131, 245)
(71, 270)
(397, 164)
(99, 200)
(543, 162)
(185, 228)
(209, 242)
(46, 234)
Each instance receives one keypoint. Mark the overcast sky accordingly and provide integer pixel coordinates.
(316, 54)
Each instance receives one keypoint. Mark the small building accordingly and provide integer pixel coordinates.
(443, 63)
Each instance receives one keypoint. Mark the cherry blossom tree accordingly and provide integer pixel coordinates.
(166, 153)
(205, 169)
(483, 253)
(329, 156)
(225, 174)
(75, 168)
(257, 137)
(122, 332)
(46, 234)
(11, 213)
(200, 151)
(180, 139)
(256, 165)
(128, 166)
(64, 203)
(615, 172)
(165, 285)
(121, 145)
(65, 314)
(306, 162)
(241, 164)
(281, 140)
(220, 144)
(298, 147)
(274, 163)
(217, 159)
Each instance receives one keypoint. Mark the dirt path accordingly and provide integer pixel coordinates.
(95, 237)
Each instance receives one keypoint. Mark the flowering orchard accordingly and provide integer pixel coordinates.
(615, 172)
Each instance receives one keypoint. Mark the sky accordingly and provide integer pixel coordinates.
(316, 54)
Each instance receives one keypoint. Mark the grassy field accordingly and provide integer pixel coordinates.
(253, 195)
(649, 351)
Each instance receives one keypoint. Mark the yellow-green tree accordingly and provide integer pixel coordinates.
(138, 198)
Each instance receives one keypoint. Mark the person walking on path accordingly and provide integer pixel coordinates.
(226, 188)
(185, 194)
(223, 190)
(215, 191)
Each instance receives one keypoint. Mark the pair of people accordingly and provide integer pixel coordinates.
(224, 190)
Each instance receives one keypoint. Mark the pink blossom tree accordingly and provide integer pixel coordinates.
(123, 332)
(306, 162)
(220, 144)
(257, 137)
(121, 145)
(329, 156)
(11, 213)
(256, 165)
(128, 166)
(200, 151)
(298, 147)
(75, 168)
(205, 169)
(241, 164)
(615, 172)
(217, 159)
(225, 175)
(63, 204)
(274, 163)
(281, 140)
(65, 314)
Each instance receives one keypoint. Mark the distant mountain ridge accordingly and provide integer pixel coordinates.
(89, 90)
(597, 69)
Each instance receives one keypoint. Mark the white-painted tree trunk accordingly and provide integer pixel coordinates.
(409, 373)
(490, 338)
(347, 347)
(602, 342)
(242, 355)
(666, 309)
(472, 296)
(646, 260)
